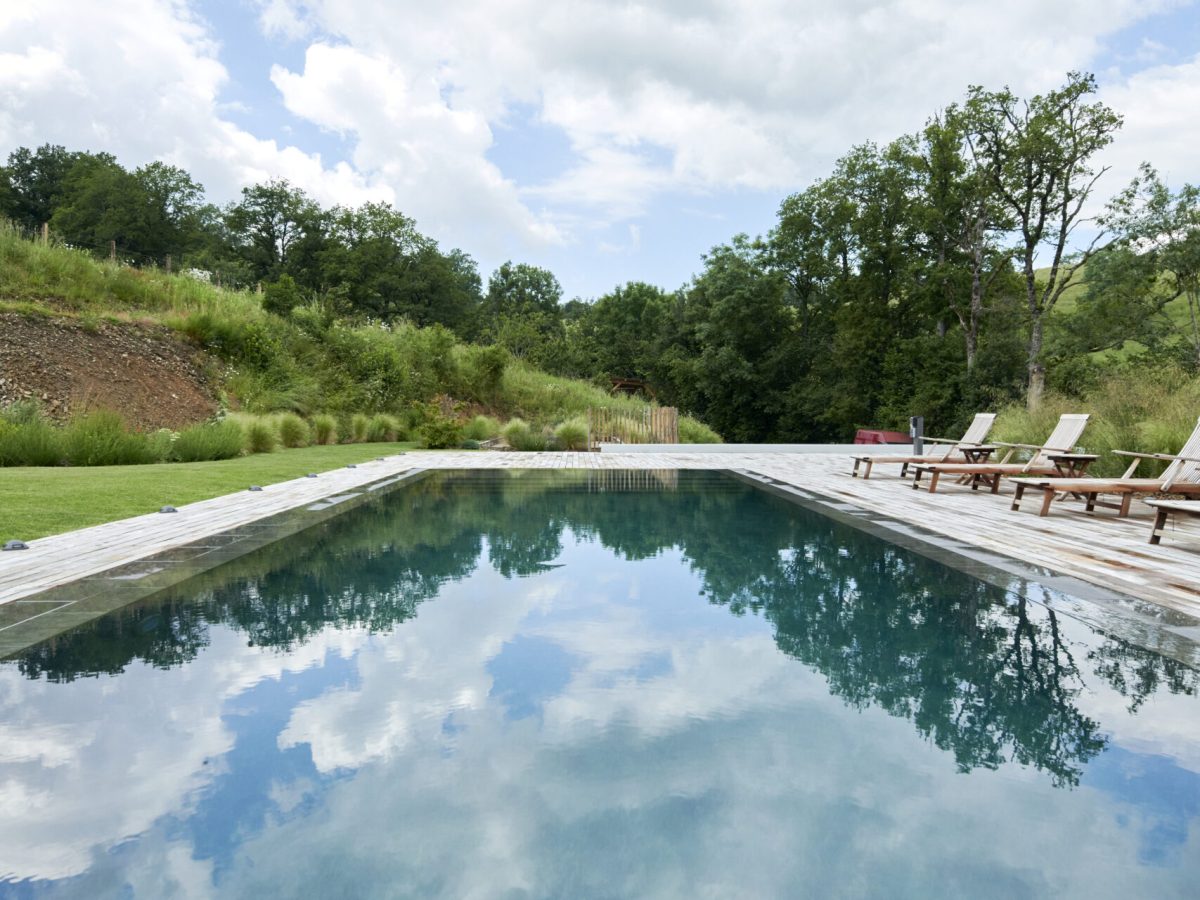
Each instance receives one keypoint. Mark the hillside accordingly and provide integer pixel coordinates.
(168, 350)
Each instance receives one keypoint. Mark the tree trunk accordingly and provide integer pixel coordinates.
(1192, 303)
(976, 311)
(1037, 371)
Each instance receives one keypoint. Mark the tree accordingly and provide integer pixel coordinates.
(35, 183)
(522, 288)
(98, 201)
(961, 217)
(1038, 157)
(269, 224)
(620, 332)
(173, 210)
(522, 307)
(743, 331)
(1159, 246)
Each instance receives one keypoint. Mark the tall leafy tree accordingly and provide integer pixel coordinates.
(270, 224)
(99, 202)
(743, 334)
(1136, 290)
(963, 222)
(522, 311)
(35, 181)
(1039, 156)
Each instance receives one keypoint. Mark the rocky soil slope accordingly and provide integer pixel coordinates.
(145, 372)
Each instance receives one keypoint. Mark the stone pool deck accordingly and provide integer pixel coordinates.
(1110, 553)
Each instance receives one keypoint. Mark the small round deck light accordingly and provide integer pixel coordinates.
(168, 509)
(351, 466)
(15, 545)
(254, 487)
(311, 475)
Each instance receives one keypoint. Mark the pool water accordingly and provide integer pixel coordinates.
(594, 684)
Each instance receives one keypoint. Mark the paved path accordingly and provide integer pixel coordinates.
(1103, 550)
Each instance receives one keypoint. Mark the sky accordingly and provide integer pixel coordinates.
(607, 141)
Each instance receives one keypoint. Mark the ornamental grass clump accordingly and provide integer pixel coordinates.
(293, 431)
(693, 432)
(101, 439)
(211, 440)
(481, 428)
(359, 423)
(520, 436)
(32, 443)
(260, 436)
(572, 435)
(382, 428)
(325, 429)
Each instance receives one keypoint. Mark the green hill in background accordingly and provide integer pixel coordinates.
(309, 361)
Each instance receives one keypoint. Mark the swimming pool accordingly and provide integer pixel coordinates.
(593, 684)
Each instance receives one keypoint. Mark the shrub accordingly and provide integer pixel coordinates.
(101, 439)
(439, 432)
(325, 429)
(572, 434)
(293, 431)
(359, 424)
(162, 442)
(693, 432)
(249, 342)
(469, 444)
(33, 443)
(282, 296)
(519, 436)
(381, 428)
(482, 428)
(260, 436)
(483, 370)
(22, 412)
(212, 440)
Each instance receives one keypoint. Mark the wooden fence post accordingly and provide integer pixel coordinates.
(45, 232)
(112, 251)
(168, 263)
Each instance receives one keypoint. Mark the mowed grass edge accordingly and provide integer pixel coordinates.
(36, 502)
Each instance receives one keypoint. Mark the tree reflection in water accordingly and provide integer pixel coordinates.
(988, 677)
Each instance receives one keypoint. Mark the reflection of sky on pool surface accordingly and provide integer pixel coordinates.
(593, 725)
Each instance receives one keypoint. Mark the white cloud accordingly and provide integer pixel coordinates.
(653, 98)
(281, 19)
(149, 89)
(1161, 125)
(662, 95)
(430, 154)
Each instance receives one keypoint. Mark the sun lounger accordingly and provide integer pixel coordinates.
(1182, 476)
(1164, 508)
(1070, 426)
(949, 451)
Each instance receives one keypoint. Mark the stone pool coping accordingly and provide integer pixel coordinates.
(75, 573)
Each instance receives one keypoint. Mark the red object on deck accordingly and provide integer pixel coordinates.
(875, 436)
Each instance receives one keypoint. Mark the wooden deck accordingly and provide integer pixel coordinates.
(1111, 553)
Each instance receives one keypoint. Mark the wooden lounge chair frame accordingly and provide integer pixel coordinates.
(1068, 430)
(1182, 476)
(1164, 508)
(972, 437)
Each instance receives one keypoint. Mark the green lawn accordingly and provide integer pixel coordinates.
(35, 502)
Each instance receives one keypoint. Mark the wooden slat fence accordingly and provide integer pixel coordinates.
(652, 425)
(601, 481)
